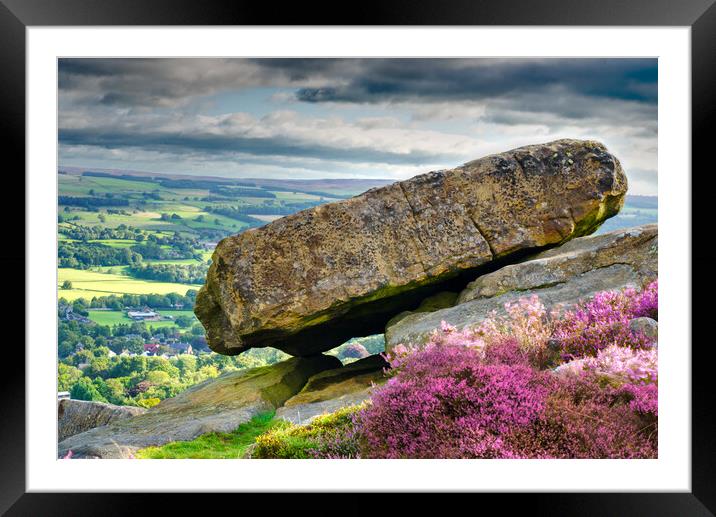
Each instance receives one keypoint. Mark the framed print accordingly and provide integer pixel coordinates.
(416, 251)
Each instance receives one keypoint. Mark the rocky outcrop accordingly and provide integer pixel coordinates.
(560, 276)
(331, 390)
(78, 416)
(308, 282)
(216, 405)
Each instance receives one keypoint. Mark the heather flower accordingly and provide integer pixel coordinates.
(527, 321)
(646, 303)
(506, 350)
(643, 398)
(620, 363)
(478, 393)
(583, 420)
(446, 335)
(603, 321)
(354, 351)
(446, 403)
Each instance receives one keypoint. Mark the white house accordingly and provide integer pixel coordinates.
(143, 315)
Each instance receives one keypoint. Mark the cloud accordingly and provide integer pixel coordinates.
(170, 82)
(357, 117)
(476, 79)
(166, 82)
(279, 134)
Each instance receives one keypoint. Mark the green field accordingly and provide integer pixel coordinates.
(88, 284)
(111, 318)
(115, 243)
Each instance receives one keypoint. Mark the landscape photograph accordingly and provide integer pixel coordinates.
(357, 258)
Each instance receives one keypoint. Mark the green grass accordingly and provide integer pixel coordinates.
(109, 318)
(289, 441)
(145, 219)
(88, 284)
(214, 445)
(112, 318)
(116, 243)
(176, 262)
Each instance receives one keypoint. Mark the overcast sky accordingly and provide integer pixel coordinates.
(353, 118)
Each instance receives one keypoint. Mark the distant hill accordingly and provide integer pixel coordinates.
(643, 201)
(637, 210)
(335, 187)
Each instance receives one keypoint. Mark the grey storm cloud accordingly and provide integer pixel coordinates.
(138, 82)
(448, 79)
(317, 113)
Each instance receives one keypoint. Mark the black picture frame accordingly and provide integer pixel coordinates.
(700, 15)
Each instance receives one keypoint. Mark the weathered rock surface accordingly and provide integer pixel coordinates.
(307, 282)
(560, 276)
(646, 326)
(331, 390)
(216, 405)
(78, 416)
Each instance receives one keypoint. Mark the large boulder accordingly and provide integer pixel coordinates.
(332, 390)
(560, 277)
(78, 416)
(307, 282)
(215, 405)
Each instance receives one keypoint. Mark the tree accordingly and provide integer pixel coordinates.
(183, 321)
(67, 376)
(66, 284)
(207, 372)
(186, 364)
(84, 389)
(135, 345)
(115, 391)
(98, 366)
(158, 377)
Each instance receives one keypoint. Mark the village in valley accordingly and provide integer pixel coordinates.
(133, 251)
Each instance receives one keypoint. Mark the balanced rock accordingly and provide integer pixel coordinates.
(561, 277)
(78, 416)
(215, 405)
(309, 281)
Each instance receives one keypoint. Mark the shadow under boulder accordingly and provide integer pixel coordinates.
(331, 390)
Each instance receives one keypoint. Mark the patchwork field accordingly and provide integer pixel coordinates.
(88, 284)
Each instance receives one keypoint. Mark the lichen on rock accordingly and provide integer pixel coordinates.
(307, 282)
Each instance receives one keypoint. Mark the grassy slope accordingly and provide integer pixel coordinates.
(214, 445)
